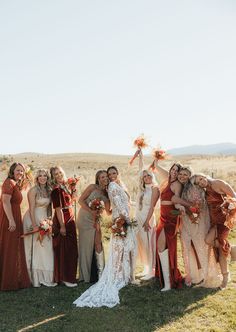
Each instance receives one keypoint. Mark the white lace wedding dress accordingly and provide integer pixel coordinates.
(117, 272)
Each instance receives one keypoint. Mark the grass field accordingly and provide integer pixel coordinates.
(142, 307)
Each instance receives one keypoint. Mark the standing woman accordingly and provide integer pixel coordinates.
(216, 190)
(167, 267)
(64, 231)
(91, 254)
(199, 260)
(119, 269)
(39, 254)
(148, 196)
(13, 269)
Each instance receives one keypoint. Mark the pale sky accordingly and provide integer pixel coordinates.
(91, 75)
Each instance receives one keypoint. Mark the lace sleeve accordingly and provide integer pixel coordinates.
(115, 197)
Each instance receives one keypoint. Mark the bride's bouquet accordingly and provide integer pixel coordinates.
(229, 209)
(120, 226)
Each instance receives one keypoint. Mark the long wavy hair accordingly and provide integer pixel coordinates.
(142, 186)
(48, 183)
(52, 173)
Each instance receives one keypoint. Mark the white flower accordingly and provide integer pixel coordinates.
(195, 215)
(231, 206)
(122, 233)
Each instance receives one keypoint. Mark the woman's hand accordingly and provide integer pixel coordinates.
(146, 226)
(35, 227)
(63, 230)
(12, 225)
(181, 208)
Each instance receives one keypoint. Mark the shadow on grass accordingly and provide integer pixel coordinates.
(142, 308)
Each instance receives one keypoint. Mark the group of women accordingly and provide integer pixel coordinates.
(189, 205)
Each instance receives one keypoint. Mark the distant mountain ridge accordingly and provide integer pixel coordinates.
(209, 149)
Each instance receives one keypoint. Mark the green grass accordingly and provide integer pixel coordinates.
(142, 308)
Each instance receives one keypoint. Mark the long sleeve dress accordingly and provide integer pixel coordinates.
(117, 272)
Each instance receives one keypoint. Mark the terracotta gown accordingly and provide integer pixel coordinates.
(168, 222)
(65, 247)
(13, 269)
(217, 218)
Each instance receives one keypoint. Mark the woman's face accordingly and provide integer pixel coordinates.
(201, 181)
(103, 179)
(174, 173)
(59, 175)
(147, 178)
(42, 178)
(19, 172)
(183, 176)
(112, 174)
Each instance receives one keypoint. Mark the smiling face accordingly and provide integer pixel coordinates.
(112, 174)
(201, 180)
(18, 173)
(174, 172)
(59, 175)
(184, 176)
(103, 179)
(147, 178)
(42, 178)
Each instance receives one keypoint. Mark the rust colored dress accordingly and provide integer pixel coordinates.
(13, 269)
(217, 218)
(65, 247)
(169, 223)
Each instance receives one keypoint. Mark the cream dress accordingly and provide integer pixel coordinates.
(146, 240)
(39, 256)
(195, 233)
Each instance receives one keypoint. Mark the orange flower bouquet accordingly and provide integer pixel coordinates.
(140, 143)
(157, 154)
(45, 229)
(229, 209)
(119, 227)
(98, 206)
(72, 182)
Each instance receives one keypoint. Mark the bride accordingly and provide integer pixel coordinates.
(119, 270)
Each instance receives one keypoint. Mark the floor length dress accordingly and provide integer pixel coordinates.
(117, 271)
(199, 260)
(13, 269)
(86, 239)
(146, 241)
(39, 255)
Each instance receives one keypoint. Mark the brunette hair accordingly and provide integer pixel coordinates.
(12, 169)
(112, 167)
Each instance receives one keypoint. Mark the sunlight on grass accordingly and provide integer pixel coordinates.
(45, 321)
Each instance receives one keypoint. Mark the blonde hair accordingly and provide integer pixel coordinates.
(142, 185)
(52, 173)
(48, 184)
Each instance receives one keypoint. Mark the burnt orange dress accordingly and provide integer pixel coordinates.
(218, 218)
(65, 247)
(13, 269)
(169, 222)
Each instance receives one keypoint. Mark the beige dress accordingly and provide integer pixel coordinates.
(86, 237)
(39, 256)
(193, 234)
